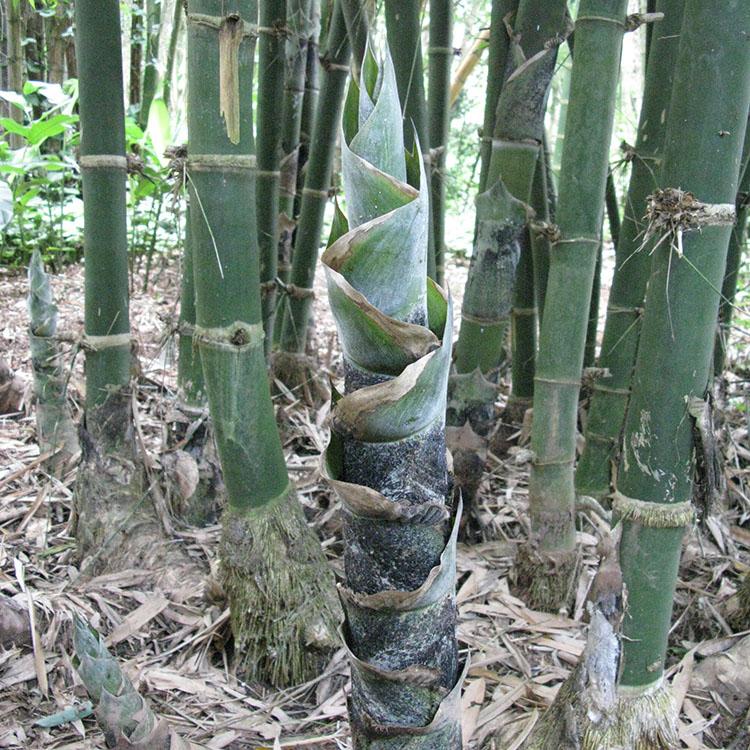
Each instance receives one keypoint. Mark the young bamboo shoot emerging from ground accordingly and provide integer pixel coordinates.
(618, 696)
(387, 457)
(549, 561)
(274, 571)
(54, 425)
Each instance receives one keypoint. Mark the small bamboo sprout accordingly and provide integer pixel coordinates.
(122, 712)
(54, 425)
(387, 458)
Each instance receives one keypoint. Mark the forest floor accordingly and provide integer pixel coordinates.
(172, 643)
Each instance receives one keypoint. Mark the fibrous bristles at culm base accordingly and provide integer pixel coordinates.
(590, 711)
(546, 582)
(647, 721)
(279, 585)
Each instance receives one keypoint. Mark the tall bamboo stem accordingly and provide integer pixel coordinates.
(551, 553)
(298, 303)
(632, 266)
(737, 246)
(299, 19)
(403, 22)
(274, 571)
(440, 57)
(674, 356)
(272, 69)
(503, 208)
(109, 483)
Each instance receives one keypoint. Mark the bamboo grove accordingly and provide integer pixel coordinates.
(315, 186)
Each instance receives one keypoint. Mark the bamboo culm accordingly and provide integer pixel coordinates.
(335, 63)
(503, 209)
(298, 22)
(273, 569)
(403, 22)
(632, 267)
(737, 247)
(440, 57)
(549, 560)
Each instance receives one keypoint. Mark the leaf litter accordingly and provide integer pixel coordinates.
(175, 644)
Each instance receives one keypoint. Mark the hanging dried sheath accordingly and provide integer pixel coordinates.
(503, 209)
(632, 265)
(387, 457)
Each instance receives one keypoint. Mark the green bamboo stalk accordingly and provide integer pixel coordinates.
(589, 350)
(357, 27)
(123, 714)
(523, 336)
(653, 500)
(179, 10)
(632, 266)
(503, 209)
(191, 436)
(137, 41)
(272, 69)
(440, 58)
(109, 488)
(387, 457)
(737, 246)
(403, 21)
(299, 17)
(613, 208)
(274, 571)
(549, 560)
(309, 103)
(672, 370)
(151, 68)
(54, 425)
(497, 58)
(298, 300)
(540, 230)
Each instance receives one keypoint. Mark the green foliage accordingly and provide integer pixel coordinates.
(40, 181)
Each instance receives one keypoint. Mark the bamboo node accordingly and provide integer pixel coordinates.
(215, 22)
(329, 65)
(99, 343)
(290, 290)
(578, 240)
(622, 310)
(636, 20)
(236, 335)
(651, 514)
(603, 19)
(443, 51)
(103, 161)
(546, 230)
(226, 162)
(672, 211)
(628, 151)
(592, 375)
(317, 193)
(177, 166)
